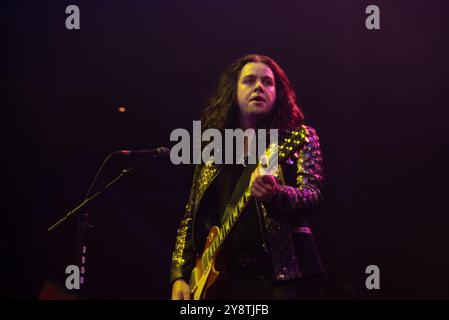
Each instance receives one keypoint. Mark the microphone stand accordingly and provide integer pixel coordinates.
(83, 222)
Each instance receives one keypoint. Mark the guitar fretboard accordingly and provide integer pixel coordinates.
(281, 153)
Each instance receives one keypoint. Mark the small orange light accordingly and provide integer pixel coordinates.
(121, 109)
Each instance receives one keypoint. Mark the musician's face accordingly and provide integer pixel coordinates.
(256, 90)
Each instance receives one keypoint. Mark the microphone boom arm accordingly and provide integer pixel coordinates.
(82, 204)
(161, 151)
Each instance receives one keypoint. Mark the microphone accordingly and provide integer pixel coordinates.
(158, 152)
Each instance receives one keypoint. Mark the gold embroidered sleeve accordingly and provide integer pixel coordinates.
(183, 257)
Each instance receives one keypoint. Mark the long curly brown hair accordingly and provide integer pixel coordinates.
(221, 109)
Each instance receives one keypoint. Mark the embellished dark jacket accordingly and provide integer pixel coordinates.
(288, 235)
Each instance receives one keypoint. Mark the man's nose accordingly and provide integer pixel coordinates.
(259, 86)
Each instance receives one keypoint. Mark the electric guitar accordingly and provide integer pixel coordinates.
(204, 276)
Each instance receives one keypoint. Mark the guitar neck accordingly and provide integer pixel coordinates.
(232, 217)
(235, 211)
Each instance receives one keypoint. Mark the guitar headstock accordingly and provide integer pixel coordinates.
(276, 153)
(292, 142)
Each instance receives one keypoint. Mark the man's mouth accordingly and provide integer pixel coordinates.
(258, 98)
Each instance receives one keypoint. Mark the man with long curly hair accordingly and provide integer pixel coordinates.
(270, 252)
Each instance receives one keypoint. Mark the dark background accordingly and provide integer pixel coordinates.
(377, 99)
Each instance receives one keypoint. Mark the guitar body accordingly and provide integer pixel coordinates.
(203, 280)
